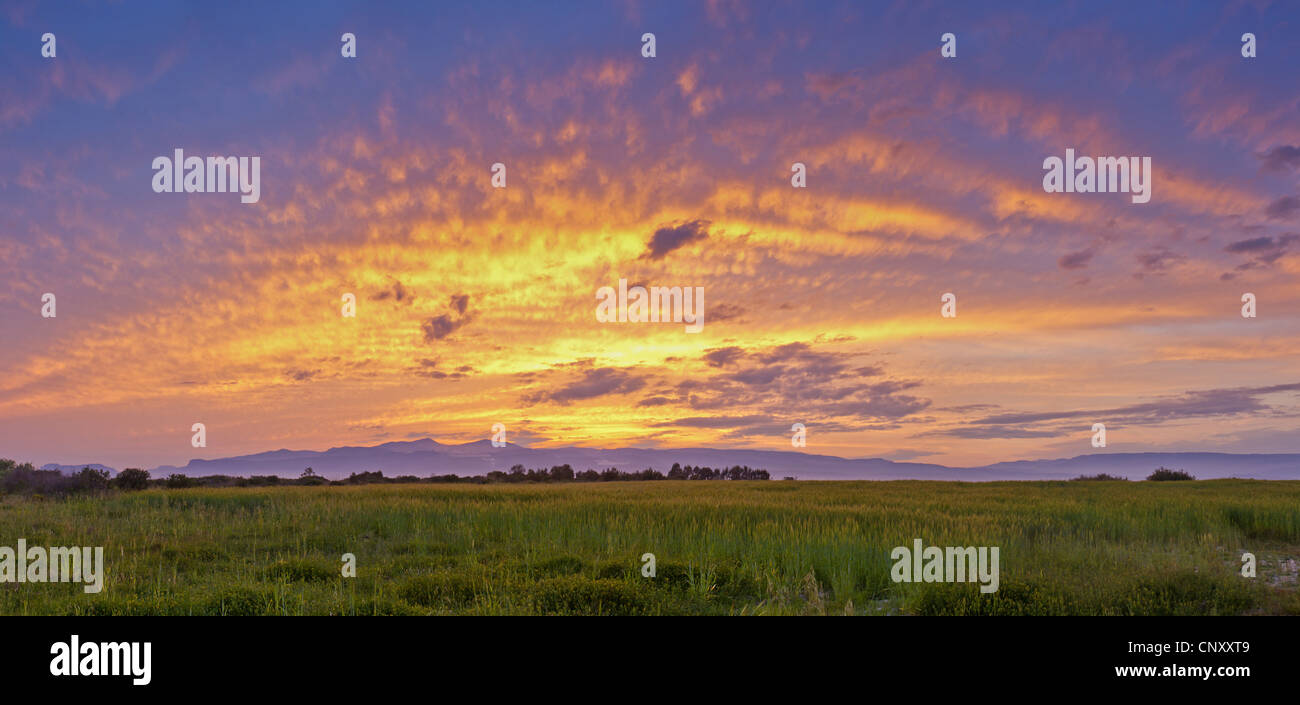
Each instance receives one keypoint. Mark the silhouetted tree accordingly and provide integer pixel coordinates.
(132, 479)
(92, 480)
(1163, 474)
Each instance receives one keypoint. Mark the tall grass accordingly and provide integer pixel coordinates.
(721, 548)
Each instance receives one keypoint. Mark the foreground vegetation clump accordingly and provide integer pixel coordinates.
(1100, 477)
(1167, 475)
(1106, 548)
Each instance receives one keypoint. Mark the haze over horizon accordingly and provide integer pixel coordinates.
(475, 304)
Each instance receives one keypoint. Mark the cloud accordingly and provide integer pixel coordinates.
(727, 422)
(1076, 260)
(825, 387)
(1281, 158)
(988, 432)
(669, 238)
(429, 368)
(398, 293)
(459, 302)
(301, 375)
(1283, 208)
(440, 327)
(1226, 402)
(1264, 251)
(1157, 260)
(599, 382)
(725, 312)
(720, 357)
(1253, 245)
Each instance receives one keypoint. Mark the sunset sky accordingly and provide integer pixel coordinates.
(476, 305)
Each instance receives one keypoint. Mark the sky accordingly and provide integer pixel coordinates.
(475, 305)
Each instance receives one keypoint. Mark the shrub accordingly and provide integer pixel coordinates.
(613, 570)
(26, 479)
(560, 565)
(1167, 475)
(1101, 477)
(302, 570)
(1013, 598)
(1183, 593)
(177, 481)
(241, 602)
(574, 594)
(132, 479)
(439, 590)
(92, 480)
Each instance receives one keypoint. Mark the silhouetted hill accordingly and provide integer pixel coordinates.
(425, 457)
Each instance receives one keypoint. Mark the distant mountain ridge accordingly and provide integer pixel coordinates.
(426, 457)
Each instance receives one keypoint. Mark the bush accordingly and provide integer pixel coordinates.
(26, 479)
(302, 570)
(1013, 598)
(560, 565)
(574, 594)
(1182, 594)
(241, 602)
(439, 590)
(92, 480)
(177, 481)
(1102, 477)
(132, 479)
(1167, 475)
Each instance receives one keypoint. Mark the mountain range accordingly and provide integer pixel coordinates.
(426, 457)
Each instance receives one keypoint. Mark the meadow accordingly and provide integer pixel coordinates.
(724, 548)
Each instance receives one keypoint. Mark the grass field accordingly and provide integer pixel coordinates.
(1118, 548)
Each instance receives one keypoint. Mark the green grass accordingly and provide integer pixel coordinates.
(1115, 548)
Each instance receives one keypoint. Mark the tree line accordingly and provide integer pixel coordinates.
(24, 478)
(565, 473)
